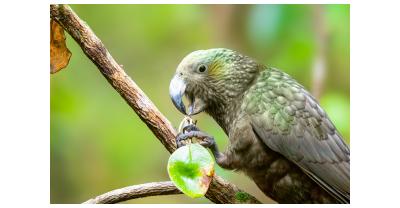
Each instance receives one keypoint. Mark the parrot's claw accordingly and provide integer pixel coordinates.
(192, 131)
(181, 140)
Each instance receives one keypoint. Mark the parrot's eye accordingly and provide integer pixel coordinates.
(202, 68)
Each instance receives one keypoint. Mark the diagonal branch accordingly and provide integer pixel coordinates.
(134, 192)
(220, 191)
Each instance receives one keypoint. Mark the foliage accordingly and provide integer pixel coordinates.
(191, 168)
(59, 53)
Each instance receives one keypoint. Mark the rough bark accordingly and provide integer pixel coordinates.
(220, 191)
(134, 192)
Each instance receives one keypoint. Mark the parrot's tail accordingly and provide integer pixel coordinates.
(343, 198)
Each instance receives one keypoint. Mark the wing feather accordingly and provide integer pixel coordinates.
(291, 122)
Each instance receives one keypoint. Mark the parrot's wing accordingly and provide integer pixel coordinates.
(290, 121)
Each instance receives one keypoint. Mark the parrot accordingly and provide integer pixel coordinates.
(279, 135)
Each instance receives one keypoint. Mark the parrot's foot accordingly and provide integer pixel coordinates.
(191, 131)
(205, 140)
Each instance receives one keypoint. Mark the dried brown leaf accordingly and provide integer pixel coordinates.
(59, 53)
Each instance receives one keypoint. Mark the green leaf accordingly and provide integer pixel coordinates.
(191, 169)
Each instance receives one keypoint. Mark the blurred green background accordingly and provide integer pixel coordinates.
(98, 143)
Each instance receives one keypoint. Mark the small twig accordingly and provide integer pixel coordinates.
(220, 191)
(134, 192)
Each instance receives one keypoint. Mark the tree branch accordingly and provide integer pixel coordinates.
(220, 191)
(134, 192)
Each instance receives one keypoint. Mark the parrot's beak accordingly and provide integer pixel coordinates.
(197, 105)
(177, 89)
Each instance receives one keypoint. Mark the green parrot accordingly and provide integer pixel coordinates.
(278, 134)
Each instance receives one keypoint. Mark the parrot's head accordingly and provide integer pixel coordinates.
(211, 77)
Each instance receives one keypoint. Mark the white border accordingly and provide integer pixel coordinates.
(24, 104)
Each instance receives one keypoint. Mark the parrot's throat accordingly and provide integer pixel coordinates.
(223, 112)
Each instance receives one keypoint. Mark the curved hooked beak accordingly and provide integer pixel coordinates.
(177, 89)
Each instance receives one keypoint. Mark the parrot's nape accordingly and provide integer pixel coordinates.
(278, 133)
